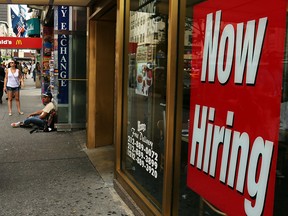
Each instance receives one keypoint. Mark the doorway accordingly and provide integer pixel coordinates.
(101, 67)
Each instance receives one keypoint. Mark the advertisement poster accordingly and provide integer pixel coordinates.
(144, 78)
(47, 50)
(235, 103)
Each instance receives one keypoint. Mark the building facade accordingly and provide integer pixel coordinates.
(193, 96)
(199, 104)
(4, 30)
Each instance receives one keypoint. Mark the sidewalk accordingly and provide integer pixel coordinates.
(50, 173)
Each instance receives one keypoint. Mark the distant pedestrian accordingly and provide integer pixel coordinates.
(25, 71)
(36, 71)
(18, 65)
(2, 77)
(32, 70)
(12, 81)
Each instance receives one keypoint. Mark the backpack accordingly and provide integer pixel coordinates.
(51, 120)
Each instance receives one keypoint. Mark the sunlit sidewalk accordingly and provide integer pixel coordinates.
(50, 173)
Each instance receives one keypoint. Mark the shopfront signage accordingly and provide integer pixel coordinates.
(141, 150)
(63, 54)
(20, 43)
(235, 104)
(33, 27)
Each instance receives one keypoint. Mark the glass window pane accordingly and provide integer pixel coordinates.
(145, 93)
(189, 202)
(281, 189)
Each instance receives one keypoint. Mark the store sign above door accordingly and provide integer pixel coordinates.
(20, 43)
(237, 54)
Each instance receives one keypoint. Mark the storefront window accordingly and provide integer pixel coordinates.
(281, 189)
(188, 201)
(253, 107)
(145, 98)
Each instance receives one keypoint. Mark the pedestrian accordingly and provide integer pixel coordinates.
(2, 76)
(36, 71)
(19, 66)
(13, 80)
(32, 70)
(39, 117)
(25, 71)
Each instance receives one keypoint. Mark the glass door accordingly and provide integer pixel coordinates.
(144, 106)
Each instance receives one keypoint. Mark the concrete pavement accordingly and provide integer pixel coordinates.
(51, 173)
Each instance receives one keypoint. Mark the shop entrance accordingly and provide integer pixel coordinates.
(102, 28)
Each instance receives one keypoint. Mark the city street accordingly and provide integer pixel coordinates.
(51, 173)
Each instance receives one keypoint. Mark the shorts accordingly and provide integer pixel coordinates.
(13, 89)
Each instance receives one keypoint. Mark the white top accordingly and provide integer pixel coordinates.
(48, 107)
(13, 78)
(32, 68)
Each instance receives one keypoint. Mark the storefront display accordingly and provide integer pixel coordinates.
(228, 151)
(233, 142)
(143, 153)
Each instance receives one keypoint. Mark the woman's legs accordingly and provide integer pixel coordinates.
(1, 91)
(17, 95)
(10, 97)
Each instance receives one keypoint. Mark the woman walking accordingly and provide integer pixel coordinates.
(12, 81)
(36, 71)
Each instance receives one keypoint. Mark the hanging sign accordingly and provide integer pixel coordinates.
(20, 43)
(63, 54)
(238, 51)
(33, 27)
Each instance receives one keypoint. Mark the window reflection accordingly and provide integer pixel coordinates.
(189, 201)
(281, 189)
(143, 139)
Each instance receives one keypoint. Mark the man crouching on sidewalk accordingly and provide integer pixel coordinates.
(39, 117)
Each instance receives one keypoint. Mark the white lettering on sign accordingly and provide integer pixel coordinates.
(64, 12)
(140, 150)
(247, 50)
(63, 43)
(6, 42)
(63, 61)
(141, 127)
(235, 154)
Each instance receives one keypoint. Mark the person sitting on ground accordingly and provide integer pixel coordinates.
(39, 117)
